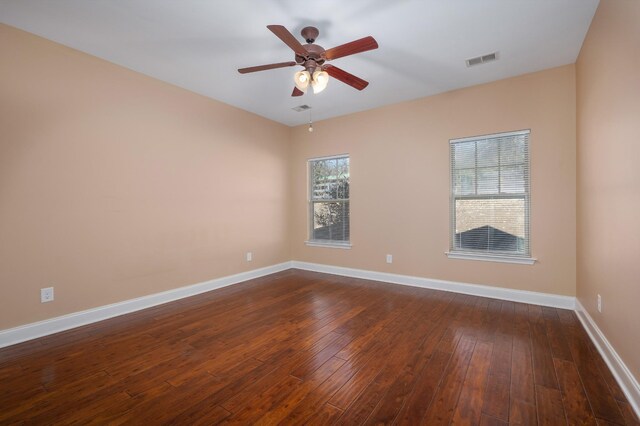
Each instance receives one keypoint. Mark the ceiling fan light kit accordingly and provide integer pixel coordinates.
(319, 81)
(301, 79)
(313, 57)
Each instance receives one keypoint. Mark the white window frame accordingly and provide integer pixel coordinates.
(483, 255)
(310, 202)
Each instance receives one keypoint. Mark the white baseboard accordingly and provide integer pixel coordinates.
(544, 299)
(54, 325)
(625, 379)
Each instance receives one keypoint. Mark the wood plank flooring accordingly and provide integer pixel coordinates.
(307, 348)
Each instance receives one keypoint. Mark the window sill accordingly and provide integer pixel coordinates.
(329, 244)
(491, 258)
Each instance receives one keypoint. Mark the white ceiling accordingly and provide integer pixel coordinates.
(198, 44)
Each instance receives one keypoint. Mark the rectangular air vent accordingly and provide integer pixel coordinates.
(489, 57)
(301, 108)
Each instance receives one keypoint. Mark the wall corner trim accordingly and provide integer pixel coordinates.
(545, 299)
(625, 379)
(34, 330)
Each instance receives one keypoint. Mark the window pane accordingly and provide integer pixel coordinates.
(512, 151)
(464, 182)
(321, 186)
(331, 221)
(487, 153)
(464, 155)
(488, 180)
(490, 224)
(330, 179)
(512, 180)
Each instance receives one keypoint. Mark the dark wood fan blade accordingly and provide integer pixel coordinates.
(283, 34)
(297, 92)
(345, 77)
(357, 46)
(266, 67)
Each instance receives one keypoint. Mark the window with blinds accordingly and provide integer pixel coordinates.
(490, 194)
(329, 200)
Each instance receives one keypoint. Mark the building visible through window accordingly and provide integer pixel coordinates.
(490, 194)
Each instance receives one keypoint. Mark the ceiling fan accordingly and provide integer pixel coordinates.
(313, 57)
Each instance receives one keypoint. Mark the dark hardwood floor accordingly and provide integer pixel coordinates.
(307, 348)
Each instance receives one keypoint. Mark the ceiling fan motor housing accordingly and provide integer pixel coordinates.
(310, 34)
(314, 55)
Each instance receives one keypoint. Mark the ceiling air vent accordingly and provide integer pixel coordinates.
(301, 108)
(482, 59)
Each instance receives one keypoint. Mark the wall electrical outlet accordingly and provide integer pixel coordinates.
(46, 294)
(599, 304)
(249, 256)
(389, 258)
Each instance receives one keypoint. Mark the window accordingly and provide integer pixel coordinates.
(490, 197)
(329, 201)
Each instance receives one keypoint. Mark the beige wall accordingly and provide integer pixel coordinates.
(400, 181)
(608, 106)
(114, 185)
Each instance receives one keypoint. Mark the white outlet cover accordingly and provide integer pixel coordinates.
(249, 256)
(46, 294)
(389, 258)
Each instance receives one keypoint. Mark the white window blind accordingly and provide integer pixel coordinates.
(329, 200)
(490, 194)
